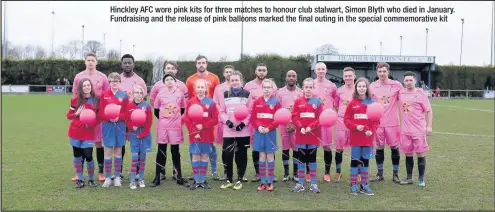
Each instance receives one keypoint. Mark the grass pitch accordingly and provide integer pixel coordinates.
(37, 168)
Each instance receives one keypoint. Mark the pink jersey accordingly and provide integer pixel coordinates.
(127, 84)
(98, 79)
(170, 103)
(327, 91)
(344, 97)
(387, 94)
(414, 105)
(159, 86)
(288, 97)
(256, 90)
(227, 107)
(217, 97)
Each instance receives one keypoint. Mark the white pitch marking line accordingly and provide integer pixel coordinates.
(464, 134)
(465, 108)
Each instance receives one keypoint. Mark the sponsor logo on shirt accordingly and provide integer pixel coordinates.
(360, 116)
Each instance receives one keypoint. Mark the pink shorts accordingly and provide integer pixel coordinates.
(169, 137)
(388, 135)
(288, 139)
(98, 133)
(219, 136)
(326, 136)
(413, 144)
(342, 137)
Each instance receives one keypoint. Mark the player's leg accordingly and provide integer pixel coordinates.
(255, 156)
(160, 160)
(341, 143)
(118, 160)
(327, 152)
(228, 155)
(135, 144)
(77, 162)
(295, 162)
(301, 170)
(270, 149)
(224, 177)
(365, 159)
(380, 154)
(100, 152)
(205, 152)
(213, 161)
(355, 162)
(241, 159)
(406, 146)
(161, 134)
(262, 168)
(109, 142)
(145, 144)
(392, 135)
(174, 149)
(313, 165)
(196, 164)
(285, 139)
(87, 148)
(421, 147)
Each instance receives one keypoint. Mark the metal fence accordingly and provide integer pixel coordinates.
(67, 90)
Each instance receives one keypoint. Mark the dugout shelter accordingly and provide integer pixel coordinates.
(365, 66)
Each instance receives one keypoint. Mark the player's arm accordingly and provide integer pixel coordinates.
(101, 109)
(106, 85)
(153, 94)
(255, 121)
(156, 108)
(336, 99)
(223, 113)
(182, 105)
(71, 114)
(147, 125)
(429, 112)
(123, 109)
(128, 121)
(349, 117)
(250, 104)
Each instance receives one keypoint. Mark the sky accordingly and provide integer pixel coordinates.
(31, 23)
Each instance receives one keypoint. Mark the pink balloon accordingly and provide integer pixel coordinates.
(195, 112)
(328, 118)
(241, 112)
(87, 116)
(282, 116)
(138, 117)
(374, 111)
(112, 111)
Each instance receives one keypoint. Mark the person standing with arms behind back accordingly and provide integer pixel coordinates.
(217, 97)
(362, 130)
(287, 96)
(100, 84)
(327, 91)
(387, 93)
(255, 89)
(169, 67)
(414, 105)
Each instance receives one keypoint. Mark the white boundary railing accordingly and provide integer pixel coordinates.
(67, 90)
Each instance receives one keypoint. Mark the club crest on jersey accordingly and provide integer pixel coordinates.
(271, 107)
(314, 106)
(207, 106)
(120, 99)
(327, 89)
(143, 108)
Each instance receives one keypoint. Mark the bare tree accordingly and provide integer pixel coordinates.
(93, 47)
(223, 59)
(158, 68)
(16, 52)
(28, 51)
(113, 54)
(71, 50)
(39, 52)
(327, 49)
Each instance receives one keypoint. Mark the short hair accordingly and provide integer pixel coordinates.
(127, 56)
(383, 64)
(261, 64)
(199, 57)
(229, 66)
(90, 54)
(410, 73)
(198, 81)
(114, 76)
(267, 81)
(349, 69)
(309, 79)
(237, 73)
(173, 63)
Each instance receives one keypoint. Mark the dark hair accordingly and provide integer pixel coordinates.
(229, 66)
(90, 54)
(410, 73)
(173, 63)
(368, 93)
(127, 56)
(382, 64)
(168, 74)
(199, 57)
(80, 93)
(261, 64)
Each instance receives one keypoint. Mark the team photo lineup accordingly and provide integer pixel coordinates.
(226, 121)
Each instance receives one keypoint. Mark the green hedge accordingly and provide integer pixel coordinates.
(46, 72)
(43, 72)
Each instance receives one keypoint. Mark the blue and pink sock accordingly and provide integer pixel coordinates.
(118, 166)
(262, 168)
(312, 172)
(91, 169)
(142, 165)
(271, 170)
(77, 161)
(301, 171)
(108, 167)
(196, 166)
(134, 163)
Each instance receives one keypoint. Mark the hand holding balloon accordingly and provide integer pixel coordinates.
(79, 110)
